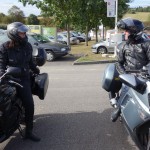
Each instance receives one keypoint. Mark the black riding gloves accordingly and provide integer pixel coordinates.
(36, 70)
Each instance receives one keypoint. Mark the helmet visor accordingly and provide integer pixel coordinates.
(23, 28)
(128, 22)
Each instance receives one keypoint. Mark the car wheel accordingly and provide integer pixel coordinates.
(102, 50)
(50, 56)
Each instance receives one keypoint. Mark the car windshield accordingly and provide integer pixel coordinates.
(40, 38)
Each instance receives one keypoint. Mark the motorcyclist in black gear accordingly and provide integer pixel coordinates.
(132, 54)
(18, 53)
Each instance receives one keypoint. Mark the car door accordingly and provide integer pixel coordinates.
(111, 46)
(32, 41)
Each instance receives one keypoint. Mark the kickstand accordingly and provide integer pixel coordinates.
(21, 131)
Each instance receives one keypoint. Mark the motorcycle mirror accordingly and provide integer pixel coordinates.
(35, 52)
(39, 56)
(14, 71)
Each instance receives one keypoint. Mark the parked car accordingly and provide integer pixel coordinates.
(52, 39)
(83, 34)
(2, 31)
(103, 47)
(75, 34)
(63, 37)
(53, 49)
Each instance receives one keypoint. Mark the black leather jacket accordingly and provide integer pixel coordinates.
(133, 56)
(19, 56)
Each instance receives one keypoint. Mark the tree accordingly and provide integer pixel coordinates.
(16, 14)
(89, 15)
(86, 14)
(32, 19)
(2, 16)
(59, 10)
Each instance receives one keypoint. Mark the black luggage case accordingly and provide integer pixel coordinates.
(40, 85)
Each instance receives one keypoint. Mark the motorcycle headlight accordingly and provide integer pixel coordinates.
(63, 49)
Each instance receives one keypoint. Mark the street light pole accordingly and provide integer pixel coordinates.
(116, 16)
(116, 30)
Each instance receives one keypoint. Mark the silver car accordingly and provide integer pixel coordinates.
(62, 36)
(107, 46)
(103, 47)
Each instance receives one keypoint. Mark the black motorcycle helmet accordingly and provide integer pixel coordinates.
(13, 29)
(133, 26)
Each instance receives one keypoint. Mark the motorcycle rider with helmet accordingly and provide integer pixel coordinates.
(17, 52)
(132, 54)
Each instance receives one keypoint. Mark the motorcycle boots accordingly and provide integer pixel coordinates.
(29, 133)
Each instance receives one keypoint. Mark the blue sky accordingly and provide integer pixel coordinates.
(137, 3)
(5, 5)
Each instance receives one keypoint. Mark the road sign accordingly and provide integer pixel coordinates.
(109, 0)
(111, 8)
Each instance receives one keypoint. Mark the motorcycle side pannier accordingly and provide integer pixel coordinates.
(110, 81)
(40, 85)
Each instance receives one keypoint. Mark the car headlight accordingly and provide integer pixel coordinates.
(63, 49)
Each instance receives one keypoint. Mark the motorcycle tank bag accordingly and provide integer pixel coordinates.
(40, 85)
(110, 81)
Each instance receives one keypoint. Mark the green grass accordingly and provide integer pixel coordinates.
(86, 54)
(143, 16)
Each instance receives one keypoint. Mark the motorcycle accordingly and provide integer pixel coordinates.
(11, 108)
(133, 99)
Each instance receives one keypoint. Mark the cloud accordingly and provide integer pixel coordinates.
(28, 9)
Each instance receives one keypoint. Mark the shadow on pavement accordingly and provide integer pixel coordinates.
(69, 57)
(74, 131)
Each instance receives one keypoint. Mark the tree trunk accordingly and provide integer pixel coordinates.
(68, 35)
(96, 33)
(86, 38)
(103, 32)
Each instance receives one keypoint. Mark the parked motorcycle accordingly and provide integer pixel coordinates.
(11, 108)
(133, 101)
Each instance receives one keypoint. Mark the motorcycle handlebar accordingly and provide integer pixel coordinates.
(17, 84)
(143, 73)
(14, 79)
(11, 80)
(133, 71)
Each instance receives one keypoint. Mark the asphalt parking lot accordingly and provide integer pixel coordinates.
(75, 114)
